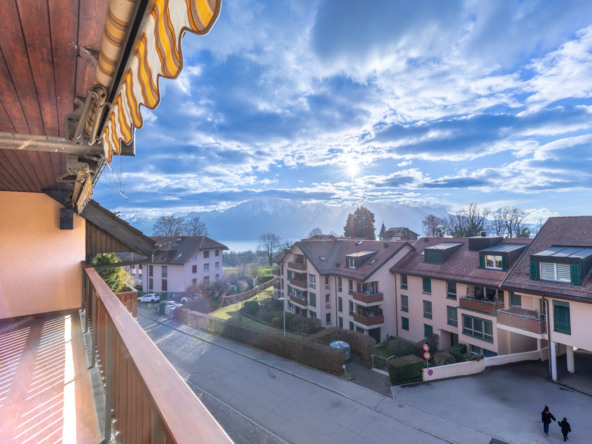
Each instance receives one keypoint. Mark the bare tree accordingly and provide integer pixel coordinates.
(301, 327)
(269, 243)
(539, 226)
(169, 226)
(286, 245)
(195, 227)
(469, 221)
(433, 226)
(508, 221)
(315, 232)
(255, 273)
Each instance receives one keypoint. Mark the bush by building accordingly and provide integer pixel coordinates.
(405, 369)
(267, 316)
(443, 358)
(399, 348)
(457, 351)
(279, 320)
(360, 344)
(302, 325)
(251, 307)
(433, 342)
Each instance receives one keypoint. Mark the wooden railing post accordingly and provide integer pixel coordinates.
(156, 433)
(108, 366)
(93, 335)
(86, 300)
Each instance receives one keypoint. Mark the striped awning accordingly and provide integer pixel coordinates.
(158, 54)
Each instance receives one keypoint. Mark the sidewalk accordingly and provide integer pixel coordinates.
(444, 430)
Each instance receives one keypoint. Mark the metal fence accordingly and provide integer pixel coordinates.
(380, 363)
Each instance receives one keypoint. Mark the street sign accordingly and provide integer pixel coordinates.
(427, 355)
(430, 372)
(426, 347)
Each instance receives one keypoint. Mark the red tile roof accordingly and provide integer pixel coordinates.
(178, 249)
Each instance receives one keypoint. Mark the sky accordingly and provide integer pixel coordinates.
(342, 101)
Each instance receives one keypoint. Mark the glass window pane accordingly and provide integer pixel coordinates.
(547, 271)
(467, 322)
(563, 273)
(489, 262)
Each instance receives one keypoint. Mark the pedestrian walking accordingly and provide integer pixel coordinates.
(547, 416)
(565, 428)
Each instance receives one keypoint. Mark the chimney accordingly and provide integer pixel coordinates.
(483, 234)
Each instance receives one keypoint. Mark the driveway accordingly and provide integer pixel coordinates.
(505, 402)
(291, 402)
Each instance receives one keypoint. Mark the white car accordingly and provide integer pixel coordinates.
(149, 298)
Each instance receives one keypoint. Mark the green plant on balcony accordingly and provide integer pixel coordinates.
(116, 278)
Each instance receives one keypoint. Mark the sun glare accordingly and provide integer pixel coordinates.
(352, 168)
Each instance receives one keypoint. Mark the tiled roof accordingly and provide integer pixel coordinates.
(462, 266)
(335, 252)
(280, 256)
(179, 249)
(557, 231)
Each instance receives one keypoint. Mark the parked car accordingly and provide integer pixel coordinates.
(149, 298)
(186, 299)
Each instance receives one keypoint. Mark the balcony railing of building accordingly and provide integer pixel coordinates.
(298, 283)
(481, 305)
(275, 272)
(146, 399)
(522, 318)
(369, 317)
(300, 300)
(277, 285)
(368, 298)
(297, 266)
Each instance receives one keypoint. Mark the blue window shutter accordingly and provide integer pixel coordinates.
(481, 261)
(504, 263)
(575, 274)
(561, 317)
(312, 299)
(289, 274)
(534, 270)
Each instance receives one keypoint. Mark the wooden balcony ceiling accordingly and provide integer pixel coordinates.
(41, 73)
(45, 395)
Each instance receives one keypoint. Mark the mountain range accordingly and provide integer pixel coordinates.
(294, 219)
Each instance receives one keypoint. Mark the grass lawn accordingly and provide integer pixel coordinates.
(381, 351)
(265, 271)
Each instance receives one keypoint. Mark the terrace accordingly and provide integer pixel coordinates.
(522, 320)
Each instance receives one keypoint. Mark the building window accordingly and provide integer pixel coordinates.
(427, 309)
(194, 268)
(428, 330)
(451, 290)
(328, 300)
(561, 317)
(351, 325)
(350, 284)
(351, 308)
(164, 271)
(150, 270)
(165, 286)
(150, 284)
(326, 281)
(515, 300)
(432, 257)
(427, 285)
(351, 263)
(404, 303)
(340, 319)
(555, 272)
(452, 316)
(312, 299)
(328, 318)
(206, 267)
(194, 281)
(217, 253)
(217, 277)
(404, 281)
(217, 265)
(482, 351)
(282, 283)
(339, 304)
(206, 280)
(282, 270)
(494, 262)
(312, 314)
(206, 254)
(290, 306)
(405, 323)
(478, 328)
(339, 284)
(312, 281)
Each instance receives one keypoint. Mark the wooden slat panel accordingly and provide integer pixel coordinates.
(10, 99)
(33, 15)
(5, 123)
(93, 14)
(16, 58)
(48, 172)
(13, 163)
(63, 19)
(37, 173)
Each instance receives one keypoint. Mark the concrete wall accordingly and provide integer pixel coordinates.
(40, 265)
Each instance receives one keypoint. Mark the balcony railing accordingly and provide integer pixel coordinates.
(297, 266)
(298, 283)
(482, 306)
(275, 272)
(299, 300)
(367, 298)
(146, 399)
(369, 321)
(277, 285)
(522, 318)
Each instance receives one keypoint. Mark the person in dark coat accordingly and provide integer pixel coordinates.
(565, 428)
(547, 416)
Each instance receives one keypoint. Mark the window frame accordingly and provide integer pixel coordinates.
(340, 322)
(404, 282)
(340, 304)
(328, 301)
(494, 256)
(351, 263)
(328, 318)
(467, 331)
(405, 303)
(350, 288)
(454, 310)
(206, 254)
(555, 272)
(561, 305)
(404, 321)
(513, 297)
(448, 293)
(206, 267)
(312, 299)
(425, 330)
(339, 284)
(427, 314)
(164, 272)
(351, 308)
(312, 280)
(194, 269)
(423, 285)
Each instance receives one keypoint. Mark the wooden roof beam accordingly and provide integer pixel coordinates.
(27, 142)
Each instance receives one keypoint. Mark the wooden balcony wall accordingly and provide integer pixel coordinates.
(532, 324)
(369, 322)
(130, 300)
(149, 400)
(297, 266)
(276, 272)
(481, 306)
(299, 301)
(368, 298)
(298, 283)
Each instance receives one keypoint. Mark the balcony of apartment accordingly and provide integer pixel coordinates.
(298, 282)
(299, 298)
(522, 320)
(368, 295)
(298, 264)
(368, 316)
(276, 272)
(277, 285)
(483, 300)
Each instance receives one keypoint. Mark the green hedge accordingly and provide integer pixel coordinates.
(443, 358)
(457, 351)
(278, 322)
(251, 307)
(311, 323)
(257, 319)
(399, 348)
(307, 353)
(405, 369)
(360, 344)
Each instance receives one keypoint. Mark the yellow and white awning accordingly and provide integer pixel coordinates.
(158, 54)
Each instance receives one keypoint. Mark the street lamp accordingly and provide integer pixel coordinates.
(281, 299)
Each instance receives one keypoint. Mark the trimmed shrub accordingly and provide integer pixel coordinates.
(299, 320)
(443, 358)
(251, 307)
(457, 351)
(360, 344)
(257, 319)
(405, 369)
(475, 357)
(432, 340)
(466, 357)
(399, 348)
(266, 316)
(279, 321)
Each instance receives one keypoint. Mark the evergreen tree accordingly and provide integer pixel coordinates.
(116, 278)
(360, 224)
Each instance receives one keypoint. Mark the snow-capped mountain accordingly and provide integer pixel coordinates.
(294, 219)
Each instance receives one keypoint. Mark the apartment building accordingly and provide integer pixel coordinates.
(452, 287)
(179, 261)
(343, 282)
(551, 288)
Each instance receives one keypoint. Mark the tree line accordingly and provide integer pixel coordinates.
(177, 226)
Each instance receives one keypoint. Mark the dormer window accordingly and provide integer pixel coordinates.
(562, 264)
(323, 258)
(351, 263)
(555, 272)
(494, 262)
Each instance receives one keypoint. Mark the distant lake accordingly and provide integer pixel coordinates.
(242, 245)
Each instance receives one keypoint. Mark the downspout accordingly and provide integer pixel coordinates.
(396, 308)
(336, 306)
(546, 303)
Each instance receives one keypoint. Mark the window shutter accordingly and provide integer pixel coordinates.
(289, 274)
(312, 299)
(481, 261)
(504, 263)
(575, 274)
(534, 270)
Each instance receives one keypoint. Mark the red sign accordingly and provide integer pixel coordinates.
(426, 347)
(427, 355)
(430, 372)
